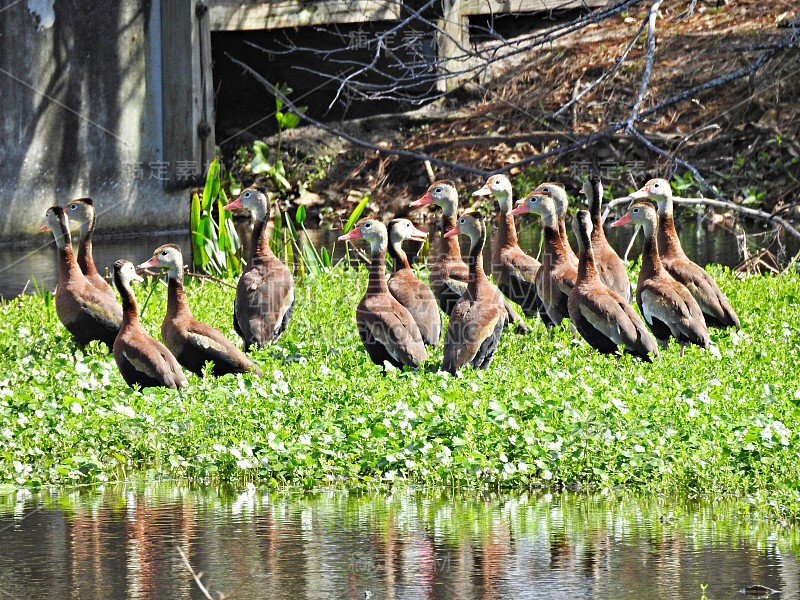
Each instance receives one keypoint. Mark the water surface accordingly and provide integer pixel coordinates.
(123, 542)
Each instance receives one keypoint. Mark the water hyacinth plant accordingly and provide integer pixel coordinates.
(550, 411)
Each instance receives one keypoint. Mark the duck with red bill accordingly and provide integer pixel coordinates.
(387, 329)
(407, 288)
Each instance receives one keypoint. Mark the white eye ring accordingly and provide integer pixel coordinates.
(437, 191)
(247, 194)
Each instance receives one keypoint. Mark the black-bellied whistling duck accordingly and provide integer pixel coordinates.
(667, 306)
(602, 316)
(559, 195)
(193, 343)
(141, 359)
(478, 318)
(407, 289)
(513, 270)
(81, 210)
(717, 311)
(609, 265)
(449, 273)
(557, 275)
(265, 292)
(87, 313)
(387, 329)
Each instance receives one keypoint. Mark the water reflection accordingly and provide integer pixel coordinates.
(121, 542)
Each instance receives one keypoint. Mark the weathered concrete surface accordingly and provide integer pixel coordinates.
(80, 115)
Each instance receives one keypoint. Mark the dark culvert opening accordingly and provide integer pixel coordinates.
(244, 107)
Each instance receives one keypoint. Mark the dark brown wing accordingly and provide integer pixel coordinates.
(607, 322)
(388, 329)
(612, 270)
(418, 299)
(473, 321)
(143, 360)
(200, 343)
(716, 308)
(667, 301)
(264, 296)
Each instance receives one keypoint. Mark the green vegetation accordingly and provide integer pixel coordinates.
(215, 244)
(548, 411)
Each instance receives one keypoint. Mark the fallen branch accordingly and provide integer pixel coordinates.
(752, 213)
(196, 576)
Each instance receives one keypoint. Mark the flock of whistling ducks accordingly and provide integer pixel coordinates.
(397, 318)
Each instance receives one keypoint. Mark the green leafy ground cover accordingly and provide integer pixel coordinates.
(549, 411)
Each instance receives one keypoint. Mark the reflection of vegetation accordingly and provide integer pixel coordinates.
(455, 517)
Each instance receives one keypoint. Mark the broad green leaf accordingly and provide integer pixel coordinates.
(211, 189)
(300, 215)
(290, 121)
(356, 214)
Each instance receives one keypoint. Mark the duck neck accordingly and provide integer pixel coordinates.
(668, 242)
(85, 258)
(448, 247)
(176, 296)
(587, 269)
(595, 211)
(506, 231)
(562, 228)
(651, 261)
(399, 258)
(554, 239)
(260, 249)
(130, 312)
(67, 265)
(475, 258)
(377, 269)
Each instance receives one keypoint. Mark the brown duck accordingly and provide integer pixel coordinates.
(265, 292)
(87, 313)
(610, 267)
(192, 342)
(81, 210)
(513, 270)
(142, 360)
(602, 317)
(561, 200)
(387, 329)
(717, 310)
(558, 273)
(406, 287)
(449, 273)
(667, 306)
(478, 318)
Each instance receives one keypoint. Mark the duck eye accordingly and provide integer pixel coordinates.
(73, 206)
(438, 190)
(247, 194)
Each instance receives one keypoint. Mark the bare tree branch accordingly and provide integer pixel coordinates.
(752, 213)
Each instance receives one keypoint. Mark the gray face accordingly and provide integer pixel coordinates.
(78, 211)
(253, 199)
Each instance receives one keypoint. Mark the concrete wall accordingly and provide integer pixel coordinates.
(81, 115)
